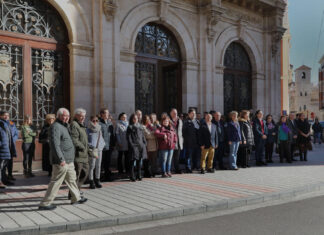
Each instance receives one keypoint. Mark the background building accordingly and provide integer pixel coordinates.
(321, 84)
(304, 95)
(139, 54)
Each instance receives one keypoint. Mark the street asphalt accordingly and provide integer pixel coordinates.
(295, 218)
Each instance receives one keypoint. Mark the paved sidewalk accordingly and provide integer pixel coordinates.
(125, 202)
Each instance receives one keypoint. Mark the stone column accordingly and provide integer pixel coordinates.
(218, 89)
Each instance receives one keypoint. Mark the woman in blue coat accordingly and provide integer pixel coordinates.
(234, 139)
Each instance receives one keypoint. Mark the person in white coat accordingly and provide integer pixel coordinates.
(96, 145)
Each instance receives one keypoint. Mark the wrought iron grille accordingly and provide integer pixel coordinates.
(145, 86)
(237, 79)
(33, 17)
(11, 78)
(155, 40)
(170, 88)
(47, 74)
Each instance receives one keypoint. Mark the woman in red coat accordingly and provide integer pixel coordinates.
(167, 139)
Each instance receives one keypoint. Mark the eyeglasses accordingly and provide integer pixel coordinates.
(95, 120)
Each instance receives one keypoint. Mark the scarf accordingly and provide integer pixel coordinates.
(124, 123)
(94, 127)
(270, 125)
(285, 128)
(150, 127)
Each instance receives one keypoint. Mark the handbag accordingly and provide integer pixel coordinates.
(309, 146)
(94, 152)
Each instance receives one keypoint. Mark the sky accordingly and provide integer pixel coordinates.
(305, 22)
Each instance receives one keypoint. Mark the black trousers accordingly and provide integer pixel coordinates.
(106, 160)
(28, 153)
(9, 167)
(243, 156)
(269, 151)
(218, 156)
(176, 159)
(284, 151)
(293, 147)
(120, 161)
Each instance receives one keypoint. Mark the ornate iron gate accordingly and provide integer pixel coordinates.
(32, 57)
(237, 79)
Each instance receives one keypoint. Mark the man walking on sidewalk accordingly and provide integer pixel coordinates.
(62, 156)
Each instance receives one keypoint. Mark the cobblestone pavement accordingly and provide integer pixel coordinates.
(122, 202)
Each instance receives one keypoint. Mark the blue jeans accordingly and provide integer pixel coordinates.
(233, 154)
(193, 155)
(259, 150)
(166, 160)
(317, 135)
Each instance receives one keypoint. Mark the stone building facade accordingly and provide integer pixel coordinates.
(228, 54)
(149, 54)
(321, 84)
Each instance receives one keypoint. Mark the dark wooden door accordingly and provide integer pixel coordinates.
(237, 79)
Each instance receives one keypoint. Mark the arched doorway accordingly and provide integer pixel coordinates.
(237, 79)
(157, 70)
(34, 63)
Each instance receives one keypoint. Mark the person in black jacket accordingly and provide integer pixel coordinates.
(219, 152)
(245, 148)
(271, 137)
(136, 147)
(303, 139)
(260, 135)
(318, 129)
(107, 130)
(208, 141)
(291, 123)
(44, 140)
(190, 140)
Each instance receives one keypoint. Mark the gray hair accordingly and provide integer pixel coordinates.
(61, 111)
(80, 111)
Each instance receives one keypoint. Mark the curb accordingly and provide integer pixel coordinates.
(212, 206)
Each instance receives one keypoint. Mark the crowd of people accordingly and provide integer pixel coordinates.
(77, 153)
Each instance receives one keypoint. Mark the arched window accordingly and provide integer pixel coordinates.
(157, 70)
(305, 93)
(33, 72)
(301, 94)
(155, 40)
(303, 75)
(237, 79)
(304, 107)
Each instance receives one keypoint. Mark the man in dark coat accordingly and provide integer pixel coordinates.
(7, 149)
(107, 130)
(291, 123)
(260, 135)
(190, 140)
(219, 152)
(208, 141)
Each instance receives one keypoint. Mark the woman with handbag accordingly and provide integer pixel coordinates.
(136, 147)
(122, 144)
(28, 146)
(96, 145)
(303, 139)
(245, 149)
(44, 140)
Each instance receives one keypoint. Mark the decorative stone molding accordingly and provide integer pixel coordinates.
(213, 17)
(237, 15)
(275, 40)
(81, 49)
(241, 28)
(163, 9)
(127, 56)
(109, 8)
